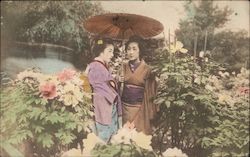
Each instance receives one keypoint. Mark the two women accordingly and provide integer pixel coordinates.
(139, 87)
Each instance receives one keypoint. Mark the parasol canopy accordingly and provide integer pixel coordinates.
(123, 26)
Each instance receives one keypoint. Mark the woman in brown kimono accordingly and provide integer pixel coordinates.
(139, 88)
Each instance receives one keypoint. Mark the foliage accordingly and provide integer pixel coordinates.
(191, 115)
(231, 49)
(55, 22)
(47, 110)
(201, 17)
(10, 150)
(231, 136)
(200, 26)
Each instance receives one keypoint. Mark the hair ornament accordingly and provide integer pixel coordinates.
(100, 41)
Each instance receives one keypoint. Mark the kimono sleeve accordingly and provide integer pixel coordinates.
(98, 79)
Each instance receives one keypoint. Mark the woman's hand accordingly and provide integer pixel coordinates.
(120, 78)
(129, 125)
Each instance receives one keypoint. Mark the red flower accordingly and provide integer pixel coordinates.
(48, 90)
(66, 74)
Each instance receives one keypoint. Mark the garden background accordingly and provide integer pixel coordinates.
(203, 93)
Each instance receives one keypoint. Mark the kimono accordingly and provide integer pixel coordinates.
(106, 100)
(137, 96)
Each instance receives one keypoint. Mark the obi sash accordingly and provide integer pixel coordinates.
(132, 94)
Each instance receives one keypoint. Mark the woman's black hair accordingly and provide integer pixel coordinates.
(140, 43)
(100, 44)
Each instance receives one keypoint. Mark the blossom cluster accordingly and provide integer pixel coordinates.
(129, 136)
(174, 152)
(229, 88)
(65, 87)
(124, 136)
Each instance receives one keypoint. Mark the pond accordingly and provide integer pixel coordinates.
(49, 58)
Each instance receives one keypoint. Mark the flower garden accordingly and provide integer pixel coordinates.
(204, 111)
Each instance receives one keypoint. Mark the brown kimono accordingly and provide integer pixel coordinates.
(141, 113)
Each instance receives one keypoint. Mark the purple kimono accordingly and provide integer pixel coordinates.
(104, 93)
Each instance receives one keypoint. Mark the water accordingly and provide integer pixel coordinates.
(13, 65)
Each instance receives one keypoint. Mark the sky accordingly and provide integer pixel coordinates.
(170, 12)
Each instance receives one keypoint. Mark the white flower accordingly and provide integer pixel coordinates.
(225, 98)
(90, 142)
(201, 54)
(77, 80)
(72, 153)
(28, 74)
(206, 59)
(226, 74)
(142, 140)
(208, 87)
(178, 46)
(126, 135)
(70, 94)
(174, 152)
(220, 73)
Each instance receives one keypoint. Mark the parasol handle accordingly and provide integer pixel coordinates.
(122, 69)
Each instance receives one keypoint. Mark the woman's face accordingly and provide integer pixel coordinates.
(108, 53)
(133, 51)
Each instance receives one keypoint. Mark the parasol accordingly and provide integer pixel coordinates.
(123, 26)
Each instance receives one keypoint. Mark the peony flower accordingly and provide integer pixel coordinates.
(48, 90)
(201, 54)
(66, 74)
(142, 140)
(206, 59)
(48, 78)
(72, 153)
(243, 90)
(174, 152)
(208, 87)
(178, 46)
(124, 135)
(89, 143)
(28, 74)
(70, 94)
(225, 98)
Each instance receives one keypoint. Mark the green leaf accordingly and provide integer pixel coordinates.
(38, 129)
(11, 151)
(45, 139)
(35, 113)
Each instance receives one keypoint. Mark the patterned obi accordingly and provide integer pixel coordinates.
(132, 94)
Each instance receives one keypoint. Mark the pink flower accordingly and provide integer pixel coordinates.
(48, 90)
(244, 90)
(66, 74)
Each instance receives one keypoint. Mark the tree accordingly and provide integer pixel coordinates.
(231, 49)
(203, 18)
(55, 22)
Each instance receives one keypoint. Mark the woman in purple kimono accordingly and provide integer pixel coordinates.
(138, 90)
(107, 104)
